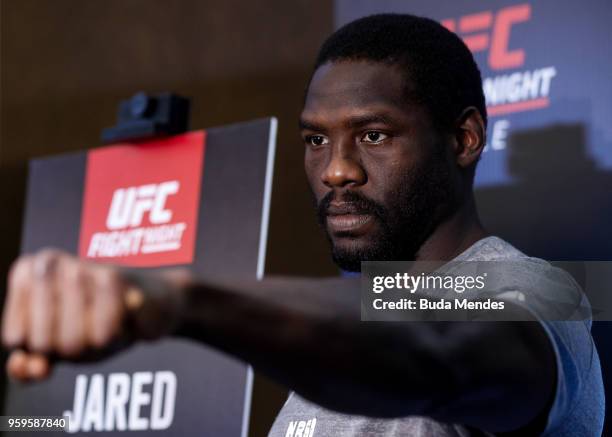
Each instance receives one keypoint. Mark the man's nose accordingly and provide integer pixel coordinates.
(344, 168)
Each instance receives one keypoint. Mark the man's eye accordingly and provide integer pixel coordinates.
(374, 137)
(316, 140)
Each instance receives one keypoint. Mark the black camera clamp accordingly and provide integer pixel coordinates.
(144, 116)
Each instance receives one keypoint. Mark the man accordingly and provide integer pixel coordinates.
(394, 122)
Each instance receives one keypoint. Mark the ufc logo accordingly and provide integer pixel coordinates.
(474, 29)
(129, 205)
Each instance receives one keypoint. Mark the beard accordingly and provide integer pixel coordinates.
(420, 202)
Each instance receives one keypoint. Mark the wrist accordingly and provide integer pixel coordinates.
(155, 303)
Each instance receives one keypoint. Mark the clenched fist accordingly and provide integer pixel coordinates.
(60, 306)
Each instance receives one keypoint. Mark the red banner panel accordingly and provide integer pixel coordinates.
(140, 205)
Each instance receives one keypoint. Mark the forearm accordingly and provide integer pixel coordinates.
(307, 335)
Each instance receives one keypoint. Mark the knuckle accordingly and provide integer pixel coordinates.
(50, 252)
(107, 277)
(69, 348)
(19, 270)
(39, 345)
(11, 327)
(100, 339)
(72, 274)
(45, 263)
(9, 339)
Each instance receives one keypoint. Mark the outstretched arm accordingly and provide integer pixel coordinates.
(305, 333)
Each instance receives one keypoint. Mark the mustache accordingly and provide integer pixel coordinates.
(359, 204)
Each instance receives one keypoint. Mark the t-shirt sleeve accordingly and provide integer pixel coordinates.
(578, 404)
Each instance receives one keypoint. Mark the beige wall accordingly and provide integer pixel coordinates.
(66, 64)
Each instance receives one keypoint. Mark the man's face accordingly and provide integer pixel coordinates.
(379, 171)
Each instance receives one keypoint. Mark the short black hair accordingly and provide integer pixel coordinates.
(440, 70)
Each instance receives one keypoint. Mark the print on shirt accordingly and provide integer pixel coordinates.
(301, 428)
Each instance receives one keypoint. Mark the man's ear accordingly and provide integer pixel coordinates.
(470, 137)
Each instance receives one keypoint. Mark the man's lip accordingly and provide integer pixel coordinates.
(348, 222)
(343, 208)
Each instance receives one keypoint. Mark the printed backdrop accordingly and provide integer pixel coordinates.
(544, 62)
(545, 180)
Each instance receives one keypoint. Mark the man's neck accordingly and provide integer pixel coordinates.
(454, 235)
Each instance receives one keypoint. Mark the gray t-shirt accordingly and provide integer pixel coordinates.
(578, 407)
